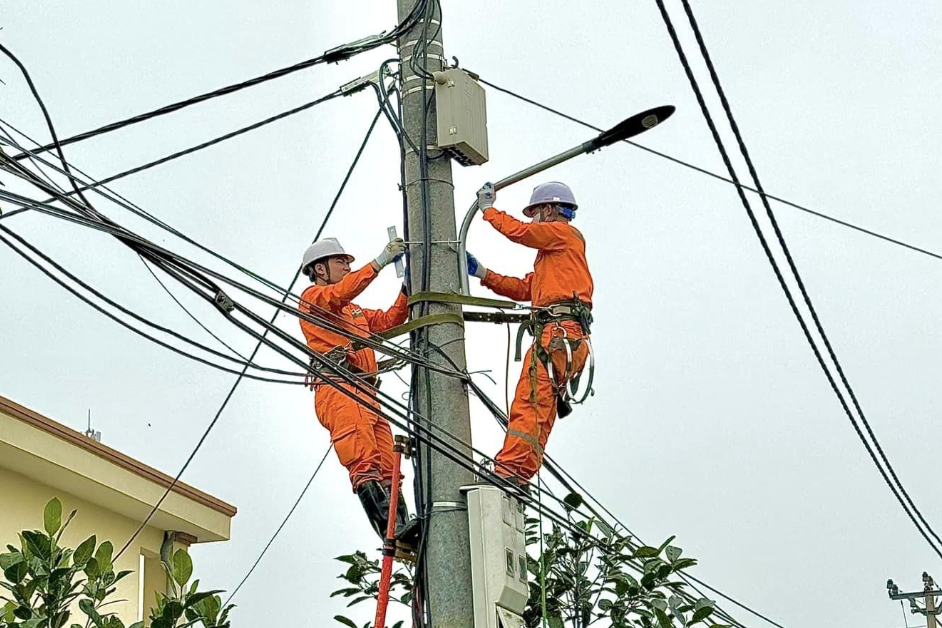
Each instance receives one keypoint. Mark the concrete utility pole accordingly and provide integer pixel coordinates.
(444, 400)
(928, 586)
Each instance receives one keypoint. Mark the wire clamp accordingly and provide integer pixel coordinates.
(360, 83)
(341, 53)
(223, 302)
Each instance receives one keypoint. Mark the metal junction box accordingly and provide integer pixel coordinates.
(498, 558)
(462, 117)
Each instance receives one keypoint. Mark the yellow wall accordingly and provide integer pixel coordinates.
(21, 507)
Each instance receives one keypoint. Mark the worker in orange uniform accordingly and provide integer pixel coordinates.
(560, 290)
(360, 436)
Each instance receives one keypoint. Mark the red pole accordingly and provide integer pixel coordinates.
(389, 548)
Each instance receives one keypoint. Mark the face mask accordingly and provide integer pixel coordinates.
(537, 217)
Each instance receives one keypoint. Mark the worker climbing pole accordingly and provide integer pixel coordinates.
(560, 289)
(360, 436)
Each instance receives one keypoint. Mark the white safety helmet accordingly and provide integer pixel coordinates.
(551, 192)
(327, 247)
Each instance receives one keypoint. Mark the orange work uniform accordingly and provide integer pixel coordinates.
(361, 437)
(560, 274)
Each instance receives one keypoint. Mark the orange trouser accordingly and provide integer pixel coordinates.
(533, 411)
(361, 438)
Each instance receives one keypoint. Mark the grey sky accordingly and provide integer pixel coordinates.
(712, 420)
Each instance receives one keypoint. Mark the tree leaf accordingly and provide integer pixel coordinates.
(17, 572)
(701, 613)
(52, 516)
(646, 552)
(103, 556)
(182, 567)
(346, 622)
(92, 570)
(662, 619)
(673, 553)
(84, 551)
(8, 560)
(37, 543)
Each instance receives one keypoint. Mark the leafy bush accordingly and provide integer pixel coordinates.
(43, 581)
(583, 585)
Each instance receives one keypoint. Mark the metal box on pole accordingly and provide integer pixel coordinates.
(462, 117)
(498, 558)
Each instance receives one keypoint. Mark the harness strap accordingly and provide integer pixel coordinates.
(460, 299)
(423, 321)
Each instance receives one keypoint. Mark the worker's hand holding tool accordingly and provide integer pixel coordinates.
(391, 253)
(487, 196)
(475, 267)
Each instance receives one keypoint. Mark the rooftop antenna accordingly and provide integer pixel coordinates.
(90, 433)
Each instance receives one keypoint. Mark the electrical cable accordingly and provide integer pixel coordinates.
(188, 312)
(332, 56)
(719, 177)
(294, 507)
(791, 300)
(372, 340)
(186, 151)
(121, 322)
(791, 263)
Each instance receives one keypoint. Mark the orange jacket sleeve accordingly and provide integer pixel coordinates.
(337, 296)
(548, 236)
(510, 287)
(380, 320)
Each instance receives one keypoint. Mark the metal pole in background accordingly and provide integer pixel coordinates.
(444, 400)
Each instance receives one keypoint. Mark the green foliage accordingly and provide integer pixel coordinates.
(186, 605)
(363, 576)
(626, 586)
(43, 582)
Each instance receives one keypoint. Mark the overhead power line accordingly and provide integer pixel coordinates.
(791, 263)
(335, 55)
(719, 177)
(294, 507)
(898, 491)
(186, 151)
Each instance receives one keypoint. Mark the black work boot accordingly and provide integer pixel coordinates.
(408, 531)
(375, 501)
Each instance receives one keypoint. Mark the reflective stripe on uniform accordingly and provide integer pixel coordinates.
(527, 437)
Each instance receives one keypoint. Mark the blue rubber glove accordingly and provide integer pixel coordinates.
(475, 267)
(487, 196)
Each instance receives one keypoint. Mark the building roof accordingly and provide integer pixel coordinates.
(49, 452)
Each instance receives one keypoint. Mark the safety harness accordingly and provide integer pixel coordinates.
(341, 358)
(566, 387)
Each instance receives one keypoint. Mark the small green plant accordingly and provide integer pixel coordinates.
(187, 603)
(363, 576)
(626, 586)
(44, 581)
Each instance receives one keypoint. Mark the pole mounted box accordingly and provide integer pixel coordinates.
(462, 117)
(498, 558)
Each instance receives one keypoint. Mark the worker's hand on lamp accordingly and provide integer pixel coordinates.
(487, 196)
(390, 254)
(475, 267)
